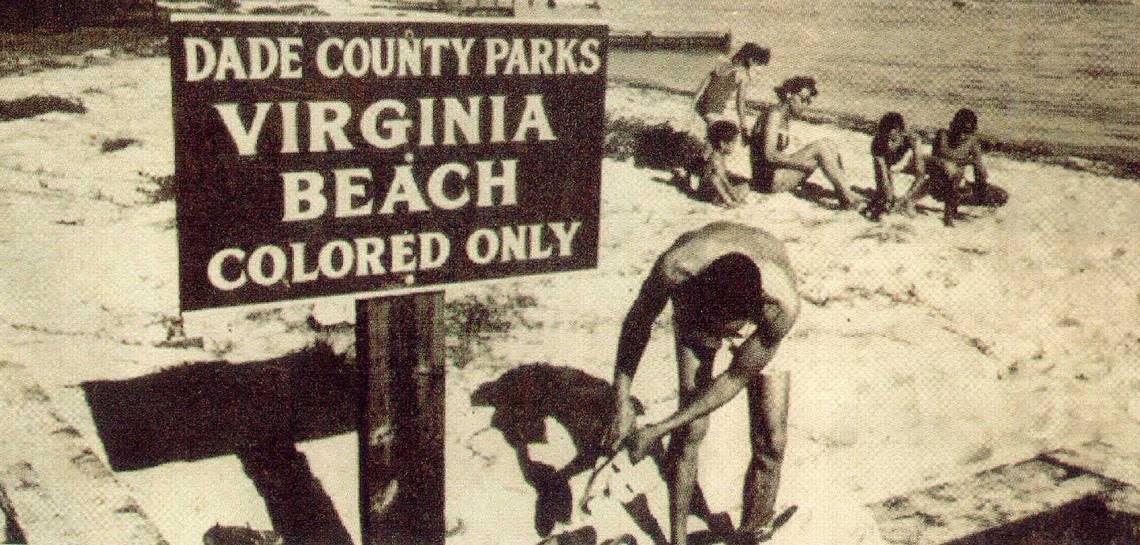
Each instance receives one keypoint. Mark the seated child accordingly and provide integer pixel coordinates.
(893, 149)
(716, 184)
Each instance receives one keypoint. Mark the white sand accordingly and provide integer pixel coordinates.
(922, 354)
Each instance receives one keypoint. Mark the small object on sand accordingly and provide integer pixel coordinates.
(624, 539)
(240, 535)
(765, 533)
(613, 477)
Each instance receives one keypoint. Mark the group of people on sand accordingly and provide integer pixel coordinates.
(732, 285)
(776, 168)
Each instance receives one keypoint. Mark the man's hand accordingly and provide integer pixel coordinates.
(620, 425)
(641, 442)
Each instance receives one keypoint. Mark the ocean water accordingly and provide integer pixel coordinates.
(1058, 78)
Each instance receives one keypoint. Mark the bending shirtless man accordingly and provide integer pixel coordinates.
(723, 280)
(774, 169)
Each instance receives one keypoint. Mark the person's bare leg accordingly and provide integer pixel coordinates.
(694, 371)
(768, 412)
(699, 505)
(950, 176)
(917, 188)
(826, 157)
(883, 200)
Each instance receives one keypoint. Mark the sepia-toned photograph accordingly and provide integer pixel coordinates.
(570, 272)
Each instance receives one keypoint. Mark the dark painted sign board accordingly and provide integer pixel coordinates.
(318, 157)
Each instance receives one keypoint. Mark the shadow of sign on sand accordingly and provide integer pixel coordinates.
(256, 411)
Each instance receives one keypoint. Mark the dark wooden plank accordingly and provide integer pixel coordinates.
(996, 497)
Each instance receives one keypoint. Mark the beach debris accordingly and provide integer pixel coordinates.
(585, 535)
(111, 145)
(615, 477)
(240, 535)
(32, 106)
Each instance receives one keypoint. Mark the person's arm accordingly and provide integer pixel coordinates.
(981, 175)
(632, 341)
(701, 90)
(884, 179)
(740, 111)
(748, 362)
(918, 158)
(939, 153)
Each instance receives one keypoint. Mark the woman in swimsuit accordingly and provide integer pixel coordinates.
(728, 80)
(775, 170)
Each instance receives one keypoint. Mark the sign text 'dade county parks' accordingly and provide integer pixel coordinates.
(324, 157)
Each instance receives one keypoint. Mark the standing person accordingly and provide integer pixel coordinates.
(894, 149)
(723, 279)
(956, 148)
(727, 80)
(775, 170)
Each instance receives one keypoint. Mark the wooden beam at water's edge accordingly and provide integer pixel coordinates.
(60, 491)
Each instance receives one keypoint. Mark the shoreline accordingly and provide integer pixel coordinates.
(1071, 156)
(1116, 162)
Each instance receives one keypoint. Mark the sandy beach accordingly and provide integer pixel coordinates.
(922, 354)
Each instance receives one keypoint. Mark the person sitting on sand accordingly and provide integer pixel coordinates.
(723, 280)
(775, 170)
(955, 149)
(727, 80)
(894, 149)
(716, 183)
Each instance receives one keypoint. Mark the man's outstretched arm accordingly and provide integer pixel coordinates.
(749, 360)
(634, 337)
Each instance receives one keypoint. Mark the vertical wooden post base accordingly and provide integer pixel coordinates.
(400, 351)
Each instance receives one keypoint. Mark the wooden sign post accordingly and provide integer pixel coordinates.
(400, 353)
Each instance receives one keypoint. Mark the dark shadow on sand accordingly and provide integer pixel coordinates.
(524, 397)
(814, 193)
(659, 146)
(256, 410)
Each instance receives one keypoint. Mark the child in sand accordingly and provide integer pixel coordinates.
(727, 80)
(894, 149)
(716, 184)
(775, 170)
(955, 149)
(728, 283)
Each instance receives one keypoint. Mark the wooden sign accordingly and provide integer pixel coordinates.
(321, 157)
